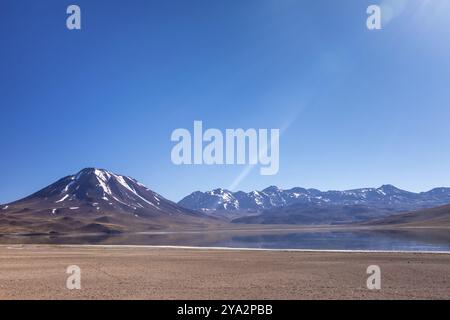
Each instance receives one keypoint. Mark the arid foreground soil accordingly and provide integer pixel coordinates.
(39, 272)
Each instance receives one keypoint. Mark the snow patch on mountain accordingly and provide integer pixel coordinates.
(62, 199)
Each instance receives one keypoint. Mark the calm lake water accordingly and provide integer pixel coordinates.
(403, 240)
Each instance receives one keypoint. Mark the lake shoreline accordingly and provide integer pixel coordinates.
(125, 246)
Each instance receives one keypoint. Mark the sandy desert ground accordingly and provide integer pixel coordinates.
(39, 272)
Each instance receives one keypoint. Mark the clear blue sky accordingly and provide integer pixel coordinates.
(361, 108)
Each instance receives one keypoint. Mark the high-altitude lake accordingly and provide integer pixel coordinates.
(389, 240)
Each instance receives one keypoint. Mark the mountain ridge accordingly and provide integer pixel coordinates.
(98, 200)
(386, 196)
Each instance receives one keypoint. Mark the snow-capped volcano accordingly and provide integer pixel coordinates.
(98, 196)
(103, 190)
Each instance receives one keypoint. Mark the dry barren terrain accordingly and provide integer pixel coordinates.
(115, 272)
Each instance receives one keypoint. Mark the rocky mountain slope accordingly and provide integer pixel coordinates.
(95, 200)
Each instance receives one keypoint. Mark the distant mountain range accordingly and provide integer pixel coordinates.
(311, 206)
(385, 197)
(99, 201)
